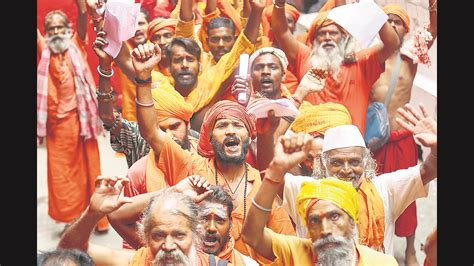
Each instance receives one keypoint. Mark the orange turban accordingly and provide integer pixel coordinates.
(319, 118)
(267, 17)
(222, 109)
(319, 21)
(160, 23)
(399, 11)
(169, 103)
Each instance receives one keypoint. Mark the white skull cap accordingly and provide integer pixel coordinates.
(342, 137)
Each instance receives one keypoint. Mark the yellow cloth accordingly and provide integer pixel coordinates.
(210, 81)
(339, 192)
(399, 11)
(292, 250)
(319, 118)
(169, 103)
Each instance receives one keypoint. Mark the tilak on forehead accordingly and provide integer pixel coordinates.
(214, 208)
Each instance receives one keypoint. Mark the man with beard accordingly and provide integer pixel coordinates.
(223, 144)
(168, 227)
(401, 150)
(329, 209)
(382, 198)
(350, 75)
(67, 116)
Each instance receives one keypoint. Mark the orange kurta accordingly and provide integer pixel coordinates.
(73, 163)
(354, 85)
(177, 164)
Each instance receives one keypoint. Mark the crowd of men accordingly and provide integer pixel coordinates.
(210, 184)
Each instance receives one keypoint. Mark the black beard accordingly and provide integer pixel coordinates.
(223, 241)
(185, 144)
(223, 157)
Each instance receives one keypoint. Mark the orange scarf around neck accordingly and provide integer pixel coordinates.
(371, 216)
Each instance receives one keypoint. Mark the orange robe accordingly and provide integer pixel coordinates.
(355, 82)
(73, 163)
(177, 164)
(291, 250)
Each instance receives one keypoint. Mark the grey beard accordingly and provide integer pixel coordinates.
(332, 60)
(342, 254)
(58, 44)
(178, 257)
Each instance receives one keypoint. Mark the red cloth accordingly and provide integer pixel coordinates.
(400, 152)
(222, 109)
(355, 82)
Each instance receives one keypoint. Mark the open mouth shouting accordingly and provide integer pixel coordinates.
(231, 144)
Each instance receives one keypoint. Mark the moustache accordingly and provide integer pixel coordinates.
(174, 255)
(329, 240)
(185, 72)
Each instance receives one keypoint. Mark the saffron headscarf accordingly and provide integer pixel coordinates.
(318, 118)
(267, 17)
(270, 50)
(169, 103)
(319, 21)
(400, 12)
(223, 109)
(160, 23)
(339, 192)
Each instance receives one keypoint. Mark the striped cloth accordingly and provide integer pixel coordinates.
(91, 125)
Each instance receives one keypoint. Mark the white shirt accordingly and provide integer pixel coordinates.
(397, 190)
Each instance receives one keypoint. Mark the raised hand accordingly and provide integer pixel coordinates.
(423, 127)
(99, 44)
(310, 83)
(144, 58)
(95, 8)
(108, 195)
(241, 84)
(258, 4)
(194, 186)
(290, 151)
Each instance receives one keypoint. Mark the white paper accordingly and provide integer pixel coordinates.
(362, 20)
(121, 22)
(281, 107)
(244, 65)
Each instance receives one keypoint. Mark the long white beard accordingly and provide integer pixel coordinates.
(332, 59)
(59, 43)
(180, 258)
(342, 254)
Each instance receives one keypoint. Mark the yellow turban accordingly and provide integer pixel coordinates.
(160, 23)
(399, 11)
(319, 118)
(169, 103)
(339, 192)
